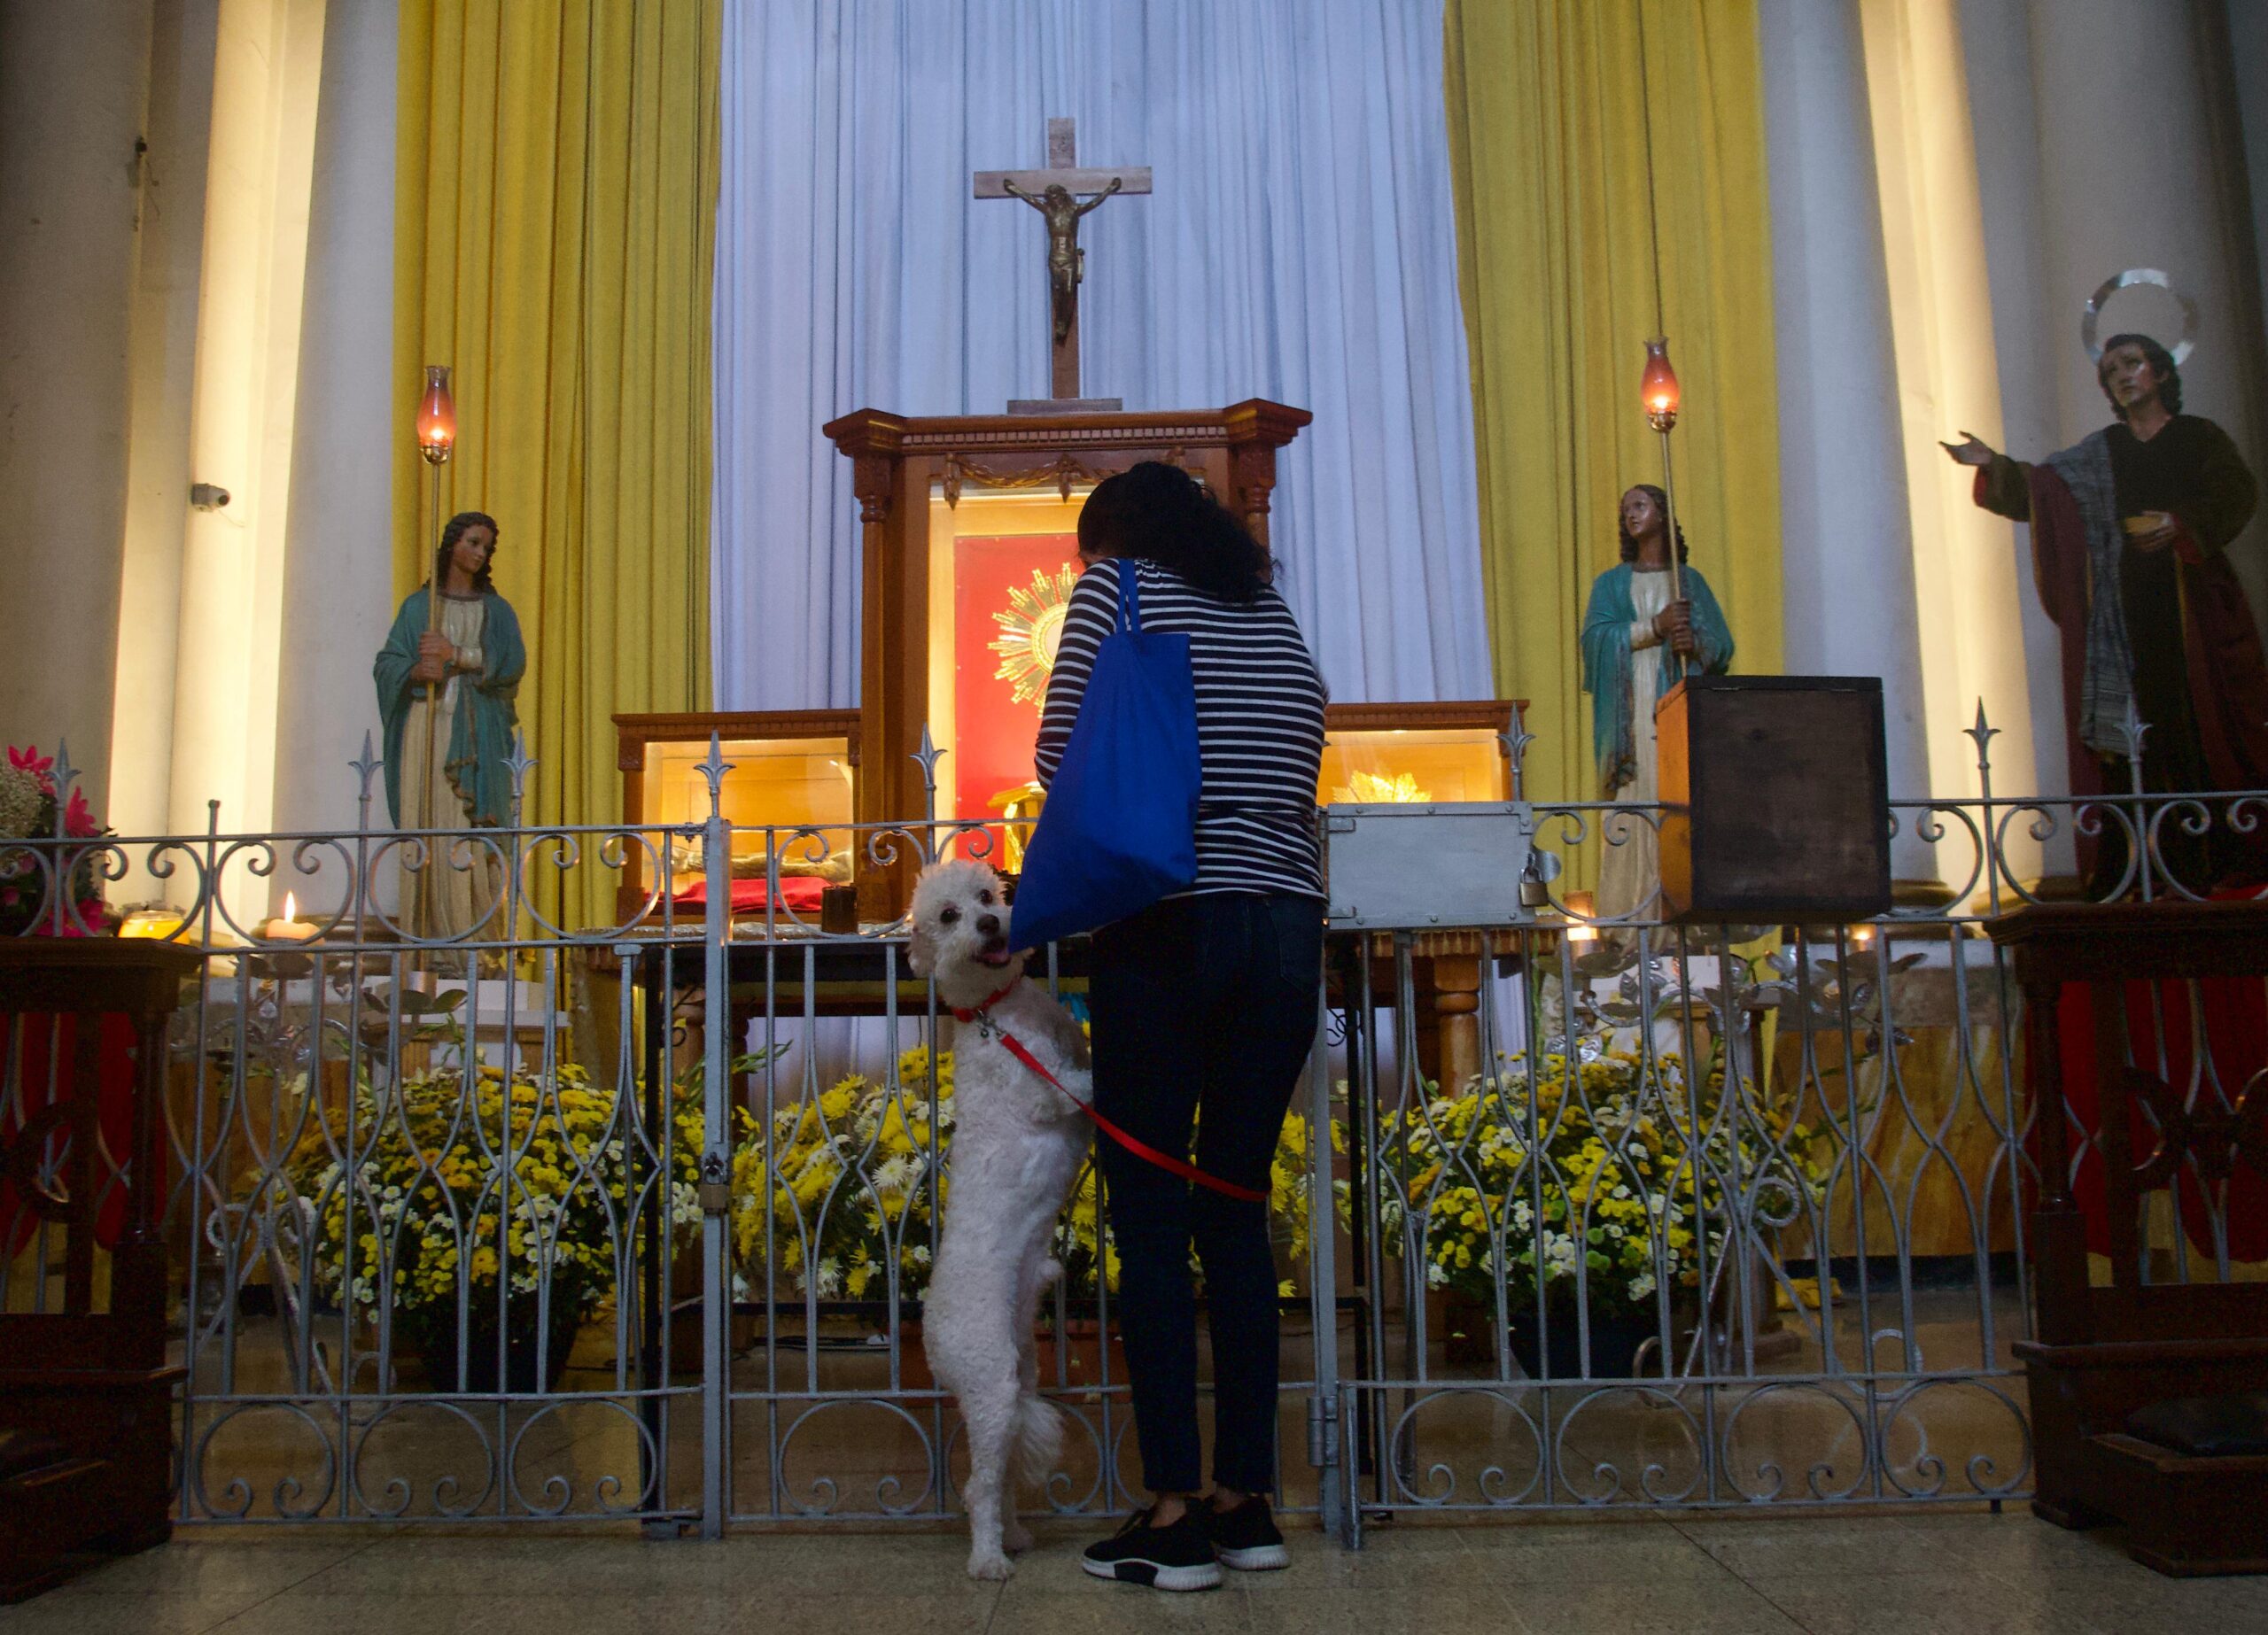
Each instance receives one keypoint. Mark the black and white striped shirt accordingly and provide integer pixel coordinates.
(1260, 702)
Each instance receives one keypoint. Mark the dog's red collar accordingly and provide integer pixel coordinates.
(982, 1015)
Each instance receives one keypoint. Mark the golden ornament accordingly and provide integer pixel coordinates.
(1031, 628)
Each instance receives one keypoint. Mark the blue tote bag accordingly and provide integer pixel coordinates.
(1119, 830)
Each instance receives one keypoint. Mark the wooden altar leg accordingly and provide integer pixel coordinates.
(1454, 989)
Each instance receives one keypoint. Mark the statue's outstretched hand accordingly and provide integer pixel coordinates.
(1971, 451)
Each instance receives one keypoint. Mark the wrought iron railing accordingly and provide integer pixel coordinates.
(465, 1227)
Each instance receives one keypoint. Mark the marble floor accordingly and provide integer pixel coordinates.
(1845, 1575)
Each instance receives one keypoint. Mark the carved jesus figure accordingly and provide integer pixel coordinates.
(1064, 259)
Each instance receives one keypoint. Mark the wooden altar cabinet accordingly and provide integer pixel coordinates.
(2148, 1387)
(86, 1389)
(937, 494)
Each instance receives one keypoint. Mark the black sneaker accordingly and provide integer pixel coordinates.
(1244, 1538)
(1179, 1557)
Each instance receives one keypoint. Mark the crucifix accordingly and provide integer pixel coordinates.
(1062, 193)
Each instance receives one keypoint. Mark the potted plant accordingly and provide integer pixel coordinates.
(29, 810)
(488, 1213)
(1603, 1202)
(844, 1185)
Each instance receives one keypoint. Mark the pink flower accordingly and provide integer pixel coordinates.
(40, 766)
(78, 819)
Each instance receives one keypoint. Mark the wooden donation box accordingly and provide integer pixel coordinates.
(970, 550)
(795, 770)
(86, 1393)
(1777, 797)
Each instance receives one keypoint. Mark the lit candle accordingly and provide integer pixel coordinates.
(1579, 907)
(289, 927)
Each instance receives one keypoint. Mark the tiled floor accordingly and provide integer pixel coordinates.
(1879, 1575)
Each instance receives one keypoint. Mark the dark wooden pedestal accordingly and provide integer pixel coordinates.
(86, 1396)
(2106, 1351)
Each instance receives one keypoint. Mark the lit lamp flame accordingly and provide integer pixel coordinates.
(1862, 936)
(1658, 388)
(437, 416)
(1580, 906)
(290, 906)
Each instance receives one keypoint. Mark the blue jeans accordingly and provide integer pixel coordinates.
(1204, 1010)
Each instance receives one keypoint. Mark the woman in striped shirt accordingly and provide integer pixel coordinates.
(1204, 1008)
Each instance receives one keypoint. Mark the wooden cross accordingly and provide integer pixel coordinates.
(1055, 192)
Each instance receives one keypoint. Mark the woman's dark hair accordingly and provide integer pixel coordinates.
(454, 531)
(2161, 362)
(1661, 504)
(1157, 512)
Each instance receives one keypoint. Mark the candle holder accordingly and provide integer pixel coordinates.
(1657, 391)
(437, 440)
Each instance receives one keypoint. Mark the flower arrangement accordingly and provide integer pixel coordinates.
(848, 1185)
(1610, 1208)
(437, 1208)
(28, 810)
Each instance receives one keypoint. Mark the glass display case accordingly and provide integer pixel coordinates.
(1413, 754)
(791, 770)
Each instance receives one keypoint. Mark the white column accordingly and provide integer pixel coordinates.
(339, 581)
(1997, 52)
(266, 69)
(158, 470)
(2247, 30)
(74, 84)
(1846, 545)
(1968, 573)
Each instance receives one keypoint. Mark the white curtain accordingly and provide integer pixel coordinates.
(1299, 246)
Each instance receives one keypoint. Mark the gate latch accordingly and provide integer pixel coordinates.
(1323, 1434)
(716, 1190)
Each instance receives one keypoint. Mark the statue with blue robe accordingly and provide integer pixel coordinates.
(456, 665)
(1639, 640)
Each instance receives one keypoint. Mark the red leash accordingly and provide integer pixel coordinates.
(1140, 1149)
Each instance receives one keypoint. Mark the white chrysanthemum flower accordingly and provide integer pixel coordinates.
(19, 802)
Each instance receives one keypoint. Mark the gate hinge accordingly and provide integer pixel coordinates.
(1323, 1434)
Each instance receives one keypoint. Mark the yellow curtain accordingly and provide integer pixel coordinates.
(554, 205)
(1549, 106)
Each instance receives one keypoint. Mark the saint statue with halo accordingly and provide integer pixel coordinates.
(2130, 529)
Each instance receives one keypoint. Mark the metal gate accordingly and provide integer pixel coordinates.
(544, 1223)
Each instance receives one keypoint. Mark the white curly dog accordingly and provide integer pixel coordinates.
(1017, 1145)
